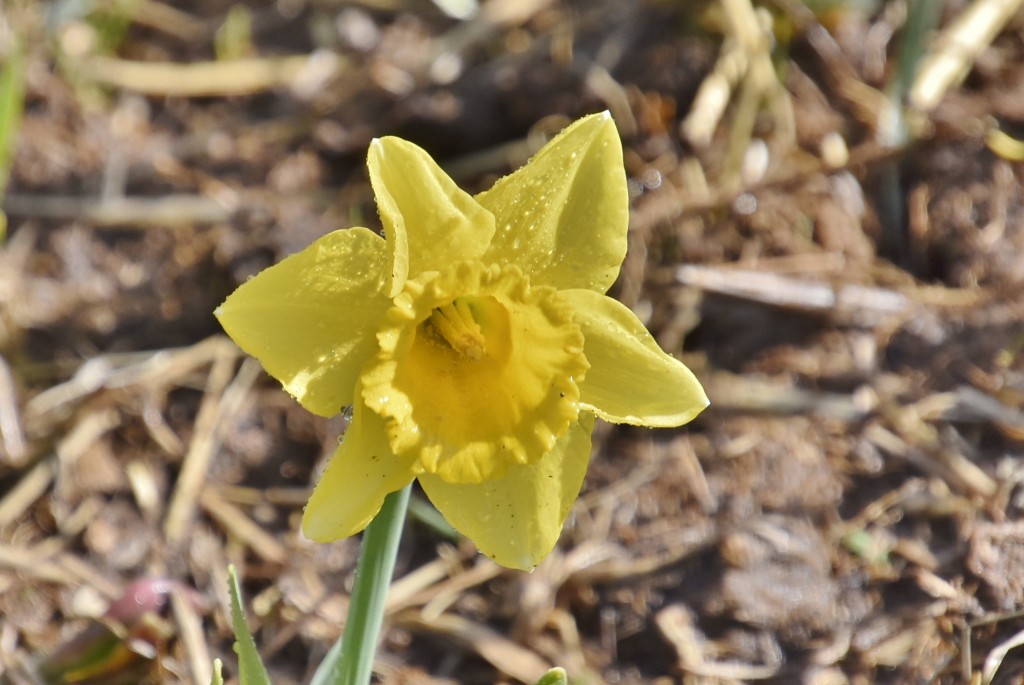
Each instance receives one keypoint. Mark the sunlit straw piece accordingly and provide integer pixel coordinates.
(220, 403)
(957, 47)
(207, 79)
(13, 448)
(190, 631)
(144, 488)
(240, 526)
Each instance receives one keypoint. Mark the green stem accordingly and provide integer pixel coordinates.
(350, 661)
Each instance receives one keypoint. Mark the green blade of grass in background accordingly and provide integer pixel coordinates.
(423, 511)
(12, 102)
(922, 18)
(218, 677)
(250, 667)
(556, 676)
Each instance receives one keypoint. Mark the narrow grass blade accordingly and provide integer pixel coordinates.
(218, 677)
(250, 667)
(556, 676)
(12, 102)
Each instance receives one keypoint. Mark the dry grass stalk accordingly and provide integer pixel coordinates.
(508, 657)
(193, 638)
(12, 437)
(130, 213)
(957, 47)
(238, 525)
(207, 79)
(219, 405)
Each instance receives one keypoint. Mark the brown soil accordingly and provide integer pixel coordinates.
(849, 509)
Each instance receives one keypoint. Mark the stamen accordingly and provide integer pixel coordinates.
(455, 323)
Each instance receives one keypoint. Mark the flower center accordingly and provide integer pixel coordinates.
(478, 371)
(455, 324)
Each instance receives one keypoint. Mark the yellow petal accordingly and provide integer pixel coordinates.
(516, 520)
(562, 218)
(362, 472)
(476, 371)
(312, 319)
(429, 222)
(631, 380)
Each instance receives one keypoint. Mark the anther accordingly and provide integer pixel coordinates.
(455, 323)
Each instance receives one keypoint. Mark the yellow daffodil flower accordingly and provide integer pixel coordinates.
(474, 342)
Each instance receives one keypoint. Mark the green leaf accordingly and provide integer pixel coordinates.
(12, 102)
(556, 676)
(426, 513)
(233, 39)
(218, 677)
(250, 667)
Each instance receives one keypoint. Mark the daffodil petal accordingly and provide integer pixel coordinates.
(428, 220)
(362, 472)
(631, 380)
(312, 319)
(562, 218)
(516, 520)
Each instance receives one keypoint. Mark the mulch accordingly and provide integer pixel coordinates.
(849, 510)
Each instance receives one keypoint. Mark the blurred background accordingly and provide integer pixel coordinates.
(827, 225)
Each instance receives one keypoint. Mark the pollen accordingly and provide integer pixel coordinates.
(455, 324)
